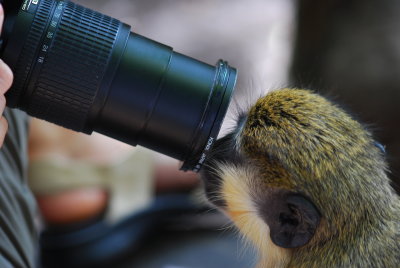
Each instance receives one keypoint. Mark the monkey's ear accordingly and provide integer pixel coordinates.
(295, 223)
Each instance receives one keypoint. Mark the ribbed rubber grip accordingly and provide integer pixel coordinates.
(74, 67)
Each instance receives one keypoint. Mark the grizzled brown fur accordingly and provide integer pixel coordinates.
(296, 143)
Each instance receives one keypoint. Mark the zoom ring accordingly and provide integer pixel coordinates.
(74, 67)
(27, 56)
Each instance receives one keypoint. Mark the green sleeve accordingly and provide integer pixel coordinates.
(18, 235)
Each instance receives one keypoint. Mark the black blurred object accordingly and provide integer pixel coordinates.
(350, 51)
(172, 231)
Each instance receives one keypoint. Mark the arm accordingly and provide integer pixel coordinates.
(18, 238)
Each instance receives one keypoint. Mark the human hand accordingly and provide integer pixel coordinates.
(6, 79)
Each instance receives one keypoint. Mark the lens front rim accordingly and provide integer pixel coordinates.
(223, 88)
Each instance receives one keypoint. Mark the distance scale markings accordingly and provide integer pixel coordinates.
(53, 25)
(47, 39)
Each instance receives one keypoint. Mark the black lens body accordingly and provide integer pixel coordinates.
(88, 72)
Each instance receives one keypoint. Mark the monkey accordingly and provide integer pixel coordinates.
(306, 184)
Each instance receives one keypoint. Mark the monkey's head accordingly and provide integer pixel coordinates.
(297, 173)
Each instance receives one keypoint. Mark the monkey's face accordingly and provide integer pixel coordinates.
(292, 170)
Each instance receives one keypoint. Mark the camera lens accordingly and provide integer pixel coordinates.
(88, 72)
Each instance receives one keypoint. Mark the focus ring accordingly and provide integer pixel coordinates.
(74, 67)
(26, 59)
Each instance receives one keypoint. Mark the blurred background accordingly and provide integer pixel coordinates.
(348, 50)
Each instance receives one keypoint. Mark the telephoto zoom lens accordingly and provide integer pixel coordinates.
(88, 72)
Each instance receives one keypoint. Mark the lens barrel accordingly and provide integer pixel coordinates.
(88, 72)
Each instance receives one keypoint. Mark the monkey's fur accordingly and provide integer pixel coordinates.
(307, 185)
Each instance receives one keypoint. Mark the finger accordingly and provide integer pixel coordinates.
(3, 129)
(1, 17)
(6, 77)
(2, 104)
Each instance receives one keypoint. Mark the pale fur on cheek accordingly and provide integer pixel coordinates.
(236, 190)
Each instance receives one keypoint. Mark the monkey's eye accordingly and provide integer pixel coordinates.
(380, 147)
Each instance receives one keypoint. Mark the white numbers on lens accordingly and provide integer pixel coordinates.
(50, 35)
(209, 143)
(35, 2)
(41, 59)
(45, 48)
